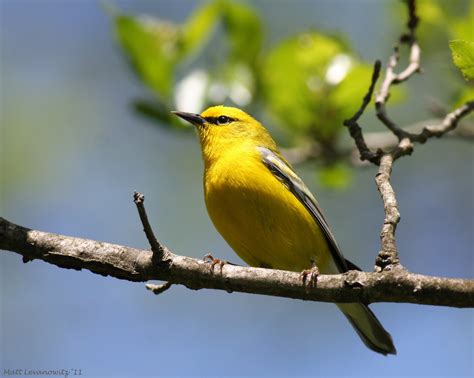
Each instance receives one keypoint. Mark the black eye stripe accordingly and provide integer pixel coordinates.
(213, 120)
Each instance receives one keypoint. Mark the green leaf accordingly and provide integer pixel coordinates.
(349, 93)
(440, 20)
(196, 30)
(463, 57)
(430, 10)
(467, 94)
(158, 113)
(293, 79)
(335, 176)
(244, 30)
(151, 45)
(462, 27)
(312, 82)
(346, 96)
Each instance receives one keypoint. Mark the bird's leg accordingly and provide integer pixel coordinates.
(208, 258)
(310, 276)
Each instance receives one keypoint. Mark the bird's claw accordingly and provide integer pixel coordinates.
(310, 277)
(208, 258)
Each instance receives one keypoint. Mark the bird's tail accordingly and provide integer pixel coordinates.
(368, 327)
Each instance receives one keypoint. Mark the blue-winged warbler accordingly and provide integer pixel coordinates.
(265, 211)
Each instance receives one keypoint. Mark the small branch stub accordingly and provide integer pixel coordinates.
(158, 289)
(160, 252)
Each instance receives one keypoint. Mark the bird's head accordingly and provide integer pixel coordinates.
(222, 128)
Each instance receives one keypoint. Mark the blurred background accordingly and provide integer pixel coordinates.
(85, 92)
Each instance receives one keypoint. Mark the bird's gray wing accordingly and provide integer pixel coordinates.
(285, 174)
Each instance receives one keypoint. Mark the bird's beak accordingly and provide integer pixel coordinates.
(192, 118)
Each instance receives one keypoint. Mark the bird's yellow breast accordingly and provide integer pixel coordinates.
(258, 216)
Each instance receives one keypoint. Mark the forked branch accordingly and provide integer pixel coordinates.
(388, 258)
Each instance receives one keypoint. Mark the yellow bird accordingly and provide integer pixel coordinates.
(265, 211)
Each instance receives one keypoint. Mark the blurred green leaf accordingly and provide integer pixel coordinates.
(467, 94)
(312, 82)
(463, 57)
(293, 78)
(159, 113)
(335, 176)
(346, 96)
(349, 93)
(156, 47)
(196, 30)
(432, 28)
(442, 20)
(244, 30)
(431, 11)
(463, 27)
(151, 46)
(234, 78)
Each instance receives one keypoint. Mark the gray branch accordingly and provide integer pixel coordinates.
(389, 283)
(312, 151)
(138, 265)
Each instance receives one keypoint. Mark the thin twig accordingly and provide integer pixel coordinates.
(160, 252)
(392, 78)
(354, 128)
(384, 140)
(449, 122)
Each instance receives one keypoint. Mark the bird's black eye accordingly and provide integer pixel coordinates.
(223, 120)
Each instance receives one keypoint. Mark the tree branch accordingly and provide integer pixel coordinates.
(386, 140)
(137, 265)
(355, 130)
(390, 283)
(312, 151)
(388, 258)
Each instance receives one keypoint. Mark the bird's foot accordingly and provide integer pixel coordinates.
(310, 277)
(213, 262)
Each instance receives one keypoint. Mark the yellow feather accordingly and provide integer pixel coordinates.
(260, 219)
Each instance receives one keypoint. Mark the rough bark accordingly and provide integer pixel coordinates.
(138, 265)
